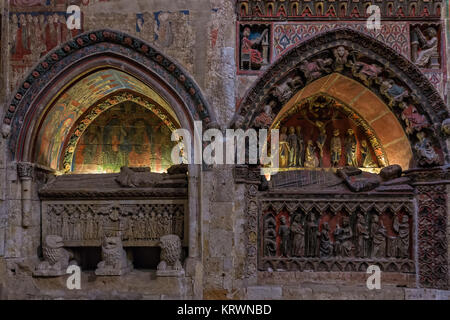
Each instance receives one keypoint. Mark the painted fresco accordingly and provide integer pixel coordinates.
(75, 101)
(125, 135)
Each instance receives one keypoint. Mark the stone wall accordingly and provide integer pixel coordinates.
(201, 36)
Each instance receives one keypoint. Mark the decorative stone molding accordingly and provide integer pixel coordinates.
(281, 10)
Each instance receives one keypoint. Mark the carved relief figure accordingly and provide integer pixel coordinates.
(378, 234)
(284, 148)
(265, 118)
(311, 235)
(403, 231)
(321, 139)
(362, 236)
(336, 148)
(343, 239)
(283, 91)
(350, 149)
(56, 258)
(414, 120)
(429, 47)
(270, 237)
(427, 154)
(293, 147)
(341, 57)
(311, 160)
(300, 147)
(297, 237)
(367, 161)
(316, 69)
(284, 234)
(393, 91)
(366, 72)
(325, 248)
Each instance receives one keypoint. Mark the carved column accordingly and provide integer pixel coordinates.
(193, 191)
(252, 180)
(25, 172)
(431, 185)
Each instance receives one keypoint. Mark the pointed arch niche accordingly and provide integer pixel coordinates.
(346, 104)
(102, 121)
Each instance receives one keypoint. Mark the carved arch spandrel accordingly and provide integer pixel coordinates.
(396, 81)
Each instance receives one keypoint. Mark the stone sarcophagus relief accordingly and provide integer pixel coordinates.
(323, 223)
(136, 206)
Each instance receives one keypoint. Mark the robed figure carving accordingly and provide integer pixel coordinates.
(297, 237)
(311, 236)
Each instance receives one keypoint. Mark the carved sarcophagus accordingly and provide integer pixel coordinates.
(138, 206)
(344, 222)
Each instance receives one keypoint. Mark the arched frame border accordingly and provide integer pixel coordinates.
(402, 71)
(100, 49)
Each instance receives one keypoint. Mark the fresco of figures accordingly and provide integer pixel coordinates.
(126, 135)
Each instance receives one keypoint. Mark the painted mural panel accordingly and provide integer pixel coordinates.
(75, 101)
(125, 135)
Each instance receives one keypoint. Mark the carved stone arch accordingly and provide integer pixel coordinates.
(72, 62)
(315, 58)
(93, 51)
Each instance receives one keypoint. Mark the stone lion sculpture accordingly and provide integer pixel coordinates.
(115, 261)
(170, 264)
(56, 258)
